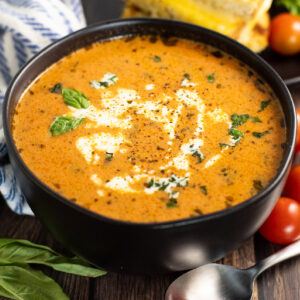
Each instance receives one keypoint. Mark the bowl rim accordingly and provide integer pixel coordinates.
(290, 143)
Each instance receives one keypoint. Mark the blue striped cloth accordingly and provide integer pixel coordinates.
(27, 26)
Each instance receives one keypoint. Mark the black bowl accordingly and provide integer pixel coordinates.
(154, 247)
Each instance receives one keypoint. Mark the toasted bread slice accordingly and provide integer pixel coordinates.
(252, 33)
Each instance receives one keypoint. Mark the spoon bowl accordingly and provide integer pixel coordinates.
(220, 282)
(211, 282)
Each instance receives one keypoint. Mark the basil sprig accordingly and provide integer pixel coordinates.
(293, 6)
(64, 124)
(75, 98)
(19, 281)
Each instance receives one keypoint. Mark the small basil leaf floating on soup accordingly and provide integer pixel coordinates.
(203, 189)
(107, 80)
(264, 105)
(172, 202)
(223, 145)
(156, 58)
(258, 185)
(256, 120)
(236, 134)
(75, 99)
(187, 76)
(198, 154)
(238, 120)
(260, 134)
(56, 89)
(64, 124)
(211, 78)
(109, 156)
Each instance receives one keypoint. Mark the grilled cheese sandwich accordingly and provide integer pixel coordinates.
(246, 21)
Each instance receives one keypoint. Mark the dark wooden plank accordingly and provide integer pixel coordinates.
(280, 282)
(120, 286)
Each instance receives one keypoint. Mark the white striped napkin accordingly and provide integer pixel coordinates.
(27, 26)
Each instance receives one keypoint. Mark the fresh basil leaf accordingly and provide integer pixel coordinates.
(264, 105)
(64, 124)
(260, 134)
(156, 58)
(75, 99)
(258, 185)
(236, 134)
(187, 76)
(21, 251)
(109, 156)
(172, 203)
(203, 189)
(23, 283)
(256, 120)
(56, 89)
(223, 145)
(211, 78)
(293, 6)
(238, 120)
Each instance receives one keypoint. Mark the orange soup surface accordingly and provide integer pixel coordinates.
(148, 129)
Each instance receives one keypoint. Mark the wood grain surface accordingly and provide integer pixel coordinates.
(278, 283)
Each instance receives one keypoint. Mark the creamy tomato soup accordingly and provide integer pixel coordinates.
(149, 129)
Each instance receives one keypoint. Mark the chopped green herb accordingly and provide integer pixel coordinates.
(223, 145)
(20, 281)
(187, 76)
(211, 78)
(172, 179)
(198, 154)
(150, 183)
(293, 6)
(256, 120)
(258, 84)
(109, 156)
(238, 120)
(75, 99)
(107, 80)
(257, 185)
(163, 186)
(64, 124)
(203, 189)
(260, 134)
(264, 105)
(156, 58)
(236, 134)
(56, 89)
(104, 83)
(172, 202)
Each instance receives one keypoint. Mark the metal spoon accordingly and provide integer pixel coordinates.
(220, 282)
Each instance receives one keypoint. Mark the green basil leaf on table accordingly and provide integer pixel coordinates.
(75, 99)
(24, 283)
(64, 124)
(22, 251)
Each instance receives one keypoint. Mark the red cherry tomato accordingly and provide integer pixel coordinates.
(297, 148)
(284, 35)
(283, 224)
(292, 186)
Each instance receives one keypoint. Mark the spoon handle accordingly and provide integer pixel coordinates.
(283, 254)
(292, 81)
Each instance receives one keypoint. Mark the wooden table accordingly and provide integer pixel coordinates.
(279, 283)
